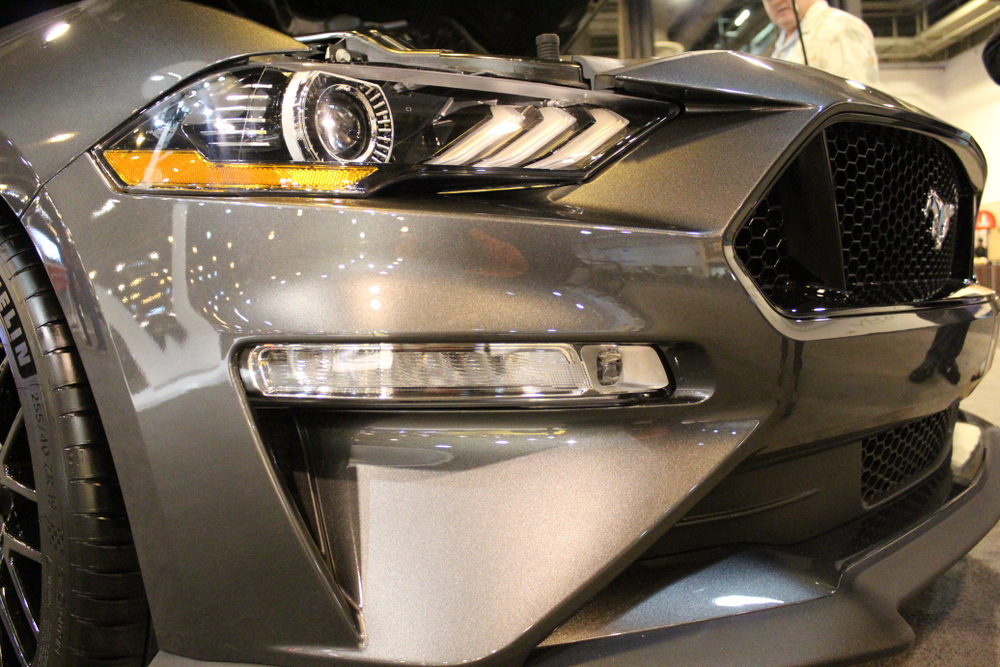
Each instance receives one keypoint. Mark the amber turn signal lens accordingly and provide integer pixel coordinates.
(186, 169)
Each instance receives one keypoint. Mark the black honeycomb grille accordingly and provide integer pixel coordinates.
(761, 246)
(892, 460)
(891, 518)
(883, 179)
(851, 223)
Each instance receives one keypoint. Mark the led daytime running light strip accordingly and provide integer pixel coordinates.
(555, 122)
(506, 122)
(580, 149)
(184, 169)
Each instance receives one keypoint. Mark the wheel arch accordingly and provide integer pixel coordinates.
(91, 594)
(89, 335)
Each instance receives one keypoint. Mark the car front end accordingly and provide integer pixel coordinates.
(410, 357)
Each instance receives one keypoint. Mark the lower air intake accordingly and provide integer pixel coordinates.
(893, 460)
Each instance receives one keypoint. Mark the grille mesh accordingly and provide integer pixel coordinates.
(882, 181)
(885, 183)
(891, 518)
(761, 246)
(893, 459)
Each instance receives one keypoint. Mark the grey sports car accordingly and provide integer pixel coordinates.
(336, 350)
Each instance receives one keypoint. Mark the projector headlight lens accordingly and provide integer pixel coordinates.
(280, 125)
(324, 119)
(450, 373)
(343, 125)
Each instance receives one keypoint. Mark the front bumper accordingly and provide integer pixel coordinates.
(854, 619)
(858, 615)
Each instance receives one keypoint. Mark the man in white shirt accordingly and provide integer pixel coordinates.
(835, 41)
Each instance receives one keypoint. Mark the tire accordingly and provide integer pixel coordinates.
(70, 588)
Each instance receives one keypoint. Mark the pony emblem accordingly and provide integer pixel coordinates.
(938, 214)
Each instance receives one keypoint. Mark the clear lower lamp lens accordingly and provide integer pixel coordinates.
(449, 373)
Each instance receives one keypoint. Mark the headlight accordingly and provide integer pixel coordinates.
(280, 125)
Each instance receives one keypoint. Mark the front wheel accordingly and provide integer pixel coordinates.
(70, 588)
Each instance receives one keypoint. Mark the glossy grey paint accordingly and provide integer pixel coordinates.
(18, 181)
(508, 499)
(726, 80)
(174, 367)
(859, 621)
(736, 158)
(737, 79)
(738, 583)
(63, 94)
(196, 347)
(657, 594)
(635, 255)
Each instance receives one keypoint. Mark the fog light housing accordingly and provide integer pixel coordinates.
(482, 373)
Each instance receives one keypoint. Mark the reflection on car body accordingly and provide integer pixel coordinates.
(341, 351)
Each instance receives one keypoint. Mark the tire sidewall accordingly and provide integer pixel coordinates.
(27, 362)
